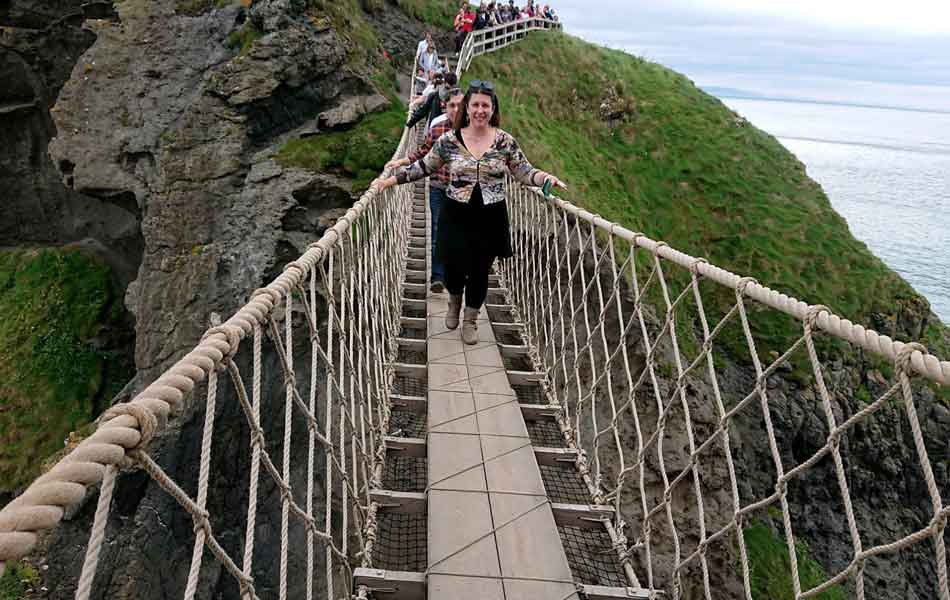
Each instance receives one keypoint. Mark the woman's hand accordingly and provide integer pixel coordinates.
(554, 181)
(381, 184)
(396, 163)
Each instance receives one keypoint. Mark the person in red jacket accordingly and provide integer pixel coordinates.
(466, 22)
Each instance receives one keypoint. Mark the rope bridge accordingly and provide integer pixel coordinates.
(628, 351)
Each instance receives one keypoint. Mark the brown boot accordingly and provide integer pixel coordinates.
(452, 314)
(470, 326)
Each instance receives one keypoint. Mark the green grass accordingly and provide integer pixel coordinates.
(770, 568)
(243, 38)
(52, 374)
(17, 580)
(359, 153)
(439, 13)
(679, 169)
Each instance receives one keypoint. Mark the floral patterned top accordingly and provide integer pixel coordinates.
(465, 171)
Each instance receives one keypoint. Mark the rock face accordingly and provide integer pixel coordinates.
(164, 118)
(39, 45)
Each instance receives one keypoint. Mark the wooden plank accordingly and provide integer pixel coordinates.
(555, 457)
(414, 403)
(588, 516)
(406, 503)
(516, 327)
(513, 351)
(413, 322)
(391, 585)
(533, 412)
(411, 343)
(413, 303)
(409, 370)
(524, 377)
(411, 447)
(600, 592)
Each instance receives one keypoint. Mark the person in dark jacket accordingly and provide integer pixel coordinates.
(432, 106)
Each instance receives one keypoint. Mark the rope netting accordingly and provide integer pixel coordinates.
(324, 332)
(665, 375)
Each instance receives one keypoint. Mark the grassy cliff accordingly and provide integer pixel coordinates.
(60, 308)
(643, 146)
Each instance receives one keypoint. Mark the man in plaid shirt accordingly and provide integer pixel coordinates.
(439, 180)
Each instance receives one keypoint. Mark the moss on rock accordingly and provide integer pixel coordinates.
(58, 361)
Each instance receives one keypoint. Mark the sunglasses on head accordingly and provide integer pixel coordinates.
(482, 86)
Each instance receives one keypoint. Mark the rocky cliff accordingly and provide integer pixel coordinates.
(151, 128)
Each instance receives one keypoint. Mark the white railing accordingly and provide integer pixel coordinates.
(483, 41)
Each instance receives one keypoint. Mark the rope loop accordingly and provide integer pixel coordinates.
(903, 357)
(274, 296)
(147, 421)
(234, 335)
(811, 316)
(296, 266)
(744, 283)
(659, 245)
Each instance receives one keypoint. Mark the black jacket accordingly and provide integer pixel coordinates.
(429, 110)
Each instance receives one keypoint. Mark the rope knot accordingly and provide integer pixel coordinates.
(781, 487)
(199, 518)
(904, 356)
(744, 283)
(694, 266)
(811, 317)
(147, 421)
(233, 333)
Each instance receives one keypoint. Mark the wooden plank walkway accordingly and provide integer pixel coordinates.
(492, 533)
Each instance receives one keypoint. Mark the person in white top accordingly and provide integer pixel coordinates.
(424, 45)
(430, 61)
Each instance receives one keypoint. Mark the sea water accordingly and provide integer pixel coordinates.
(885, 170)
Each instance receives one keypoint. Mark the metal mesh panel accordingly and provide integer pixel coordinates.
(401, 542)
(529, 394)
(412, 356)
(404, 422)
(591, 556)
(405, 474)
(517, 363)
(509, 338)
(412, 333)
(564, 484)
(545, 433)
(410, 386)
(500, 316)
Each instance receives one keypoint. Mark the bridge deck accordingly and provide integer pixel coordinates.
(492, 533)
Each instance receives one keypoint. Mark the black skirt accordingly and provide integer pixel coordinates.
(473, 232)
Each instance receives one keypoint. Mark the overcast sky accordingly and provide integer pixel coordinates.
(872, 52)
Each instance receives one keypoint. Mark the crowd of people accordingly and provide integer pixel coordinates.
(490, 14)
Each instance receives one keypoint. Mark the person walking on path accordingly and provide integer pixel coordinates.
(424, 45)
(438, 182)
(429, 61)
(473, 226)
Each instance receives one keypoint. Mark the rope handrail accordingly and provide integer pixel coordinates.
(925, 364)
(643, 403)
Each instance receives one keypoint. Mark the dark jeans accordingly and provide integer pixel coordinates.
(459, 41)
(436, 200)
(472, 279)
